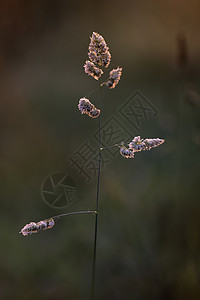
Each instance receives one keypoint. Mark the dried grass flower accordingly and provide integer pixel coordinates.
(114, 78)
(98, 50)
(86, 107)
(152, 143)
(33, 227)
(92, 70)
(138, 144)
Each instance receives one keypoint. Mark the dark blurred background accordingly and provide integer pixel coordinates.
(149, 225)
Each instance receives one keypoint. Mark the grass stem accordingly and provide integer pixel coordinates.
(97, 210)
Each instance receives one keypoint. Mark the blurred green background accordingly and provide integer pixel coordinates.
(149, 224)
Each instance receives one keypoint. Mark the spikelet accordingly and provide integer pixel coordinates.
(114, 78)
(152, 143)
(86, 107)
(127, 153)
(97, 43)
(91, 70)
(138, 144)
(94, 113)
(98, 50)
(105, 59)
(33, 227)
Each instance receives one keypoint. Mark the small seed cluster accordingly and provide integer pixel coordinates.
(86, 107)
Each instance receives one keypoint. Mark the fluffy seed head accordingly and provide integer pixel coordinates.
(138, 144)
(114, 78)
(85, 106)
(98, 50)
(105, 59)
(91, 70)
(33, 227)
(151, 143)
(97, 43)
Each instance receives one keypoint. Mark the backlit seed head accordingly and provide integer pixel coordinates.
(114, 78)
(33, 227)
(97, 43)
(98, 51)
(152, 143)
(138, 144)
(92, 70)
(85, 106)
(105, 59)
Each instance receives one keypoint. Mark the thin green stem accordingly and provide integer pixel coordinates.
(75, 213)
(96, 216)
(103, 148)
